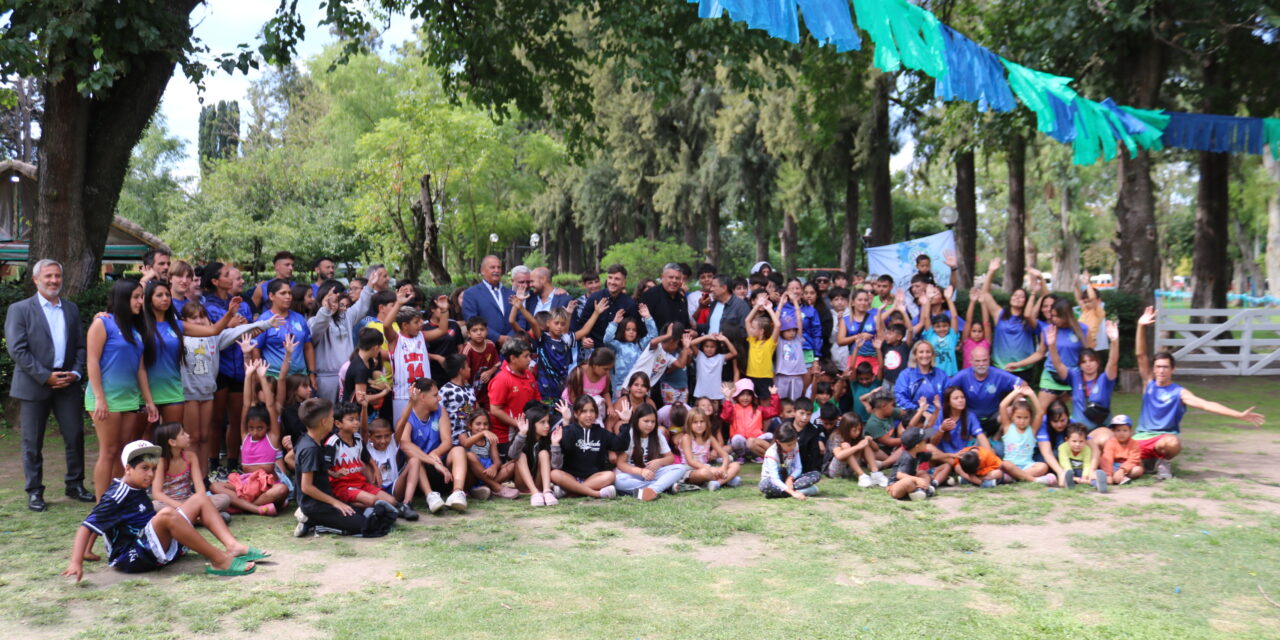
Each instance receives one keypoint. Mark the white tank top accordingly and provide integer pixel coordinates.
(410, 362)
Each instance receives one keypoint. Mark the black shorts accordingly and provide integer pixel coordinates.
(503, 448)
(227, 382)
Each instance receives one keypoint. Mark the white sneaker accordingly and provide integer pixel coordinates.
(300, 516)
(864, 481)
(481, 493)
(557, 491)
(712, 485)
(918, 494)
(608, 493)
(434, 502)
(880, 479)
(1164, 469)
(457, 501)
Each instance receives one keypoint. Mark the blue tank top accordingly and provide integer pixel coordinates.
(1162, 409)
(1098, 390)
(119, 366)
(1012, 340)
(164, 376)
(867, 326)
(1069, 346)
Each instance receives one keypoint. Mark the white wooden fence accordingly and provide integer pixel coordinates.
(1197, 337)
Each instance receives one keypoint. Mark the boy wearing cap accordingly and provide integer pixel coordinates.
(1121, 455)
(141, 539)
(909, 482)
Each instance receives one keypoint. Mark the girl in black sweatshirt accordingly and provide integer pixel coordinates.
(585, 469)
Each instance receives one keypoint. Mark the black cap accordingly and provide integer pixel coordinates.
(912, 437)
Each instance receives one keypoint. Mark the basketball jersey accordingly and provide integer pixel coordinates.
(409, 362)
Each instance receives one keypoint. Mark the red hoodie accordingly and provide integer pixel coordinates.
(510, 392)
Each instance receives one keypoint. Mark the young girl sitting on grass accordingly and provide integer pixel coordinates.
(1018, 411)
(178, 474)
(481, 446)
(700, 447)
(536, 454)
(781, 474)
(585, 469)
(635, 395)
(850, 446)
(745, 416)
(647, 467)
(257, 489)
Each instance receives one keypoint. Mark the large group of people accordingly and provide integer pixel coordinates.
(347, 401)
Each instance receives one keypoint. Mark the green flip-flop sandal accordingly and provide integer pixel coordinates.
(254, 554)
(239, 567)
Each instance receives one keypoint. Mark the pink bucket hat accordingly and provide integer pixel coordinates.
(745, 384)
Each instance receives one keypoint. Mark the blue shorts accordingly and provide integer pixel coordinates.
(147, 553)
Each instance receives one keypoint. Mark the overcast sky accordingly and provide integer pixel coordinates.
(223, 24)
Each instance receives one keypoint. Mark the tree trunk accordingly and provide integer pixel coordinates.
(849, 239)
(713, 232)
(1251, 280)
(1273, 226)
(1015, 258)
(1066, 256)
(431, 233)
(1210, 265)
(83, 155)
(881, 183)
(762, 231)
(966, 231)
(787, 242)
(1136, 243)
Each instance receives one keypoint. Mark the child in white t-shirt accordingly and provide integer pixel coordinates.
(710, 365)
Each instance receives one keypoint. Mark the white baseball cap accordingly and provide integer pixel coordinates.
(136, 449)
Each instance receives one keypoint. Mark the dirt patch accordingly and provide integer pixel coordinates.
(739, 550)
(983, 603)
(1028, 544)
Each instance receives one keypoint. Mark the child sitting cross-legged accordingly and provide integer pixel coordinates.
(481, 447)
(782, 473)
(319, 511)
(355, 480)
(1122, 455)
(981, 466)
(746, 417)
(256, 489)
(178, 474)
(585, 468)
(851, 447)
(700, 447)
(909, 481)
(139, 538)
(647, 467)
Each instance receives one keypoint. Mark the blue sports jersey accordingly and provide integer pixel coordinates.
(425, 434)
(967, 428)
(1069, 346)
(1162, 410)
(1012, 341)
(271, 343)
(120, 517)
(983, 396)
(912, 384)
(1098, 390)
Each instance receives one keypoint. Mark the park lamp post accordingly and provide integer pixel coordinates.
(948, 215)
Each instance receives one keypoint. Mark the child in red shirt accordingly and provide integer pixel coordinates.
(482, 357)
(509, 391)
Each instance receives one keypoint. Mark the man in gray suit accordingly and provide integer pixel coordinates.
(46, 342)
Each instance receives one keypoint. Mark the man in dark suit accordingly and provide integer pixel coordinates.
(489, 300)
(46, 341)
(727, 310)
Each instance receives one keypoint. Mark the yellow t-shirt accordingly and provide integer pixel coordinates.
(760, 357)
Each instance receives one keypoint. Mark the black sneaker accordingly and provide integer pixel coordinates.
(407, 512)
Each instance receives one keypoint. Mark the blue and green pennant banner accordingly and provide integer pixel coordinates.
(907, 36)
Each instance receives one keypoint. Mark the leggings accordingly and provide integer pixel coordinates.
(374, 522)
(805, 483)
(663, 479)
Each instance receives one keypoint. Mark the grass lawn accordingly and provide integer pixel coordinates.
(1188, 558)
